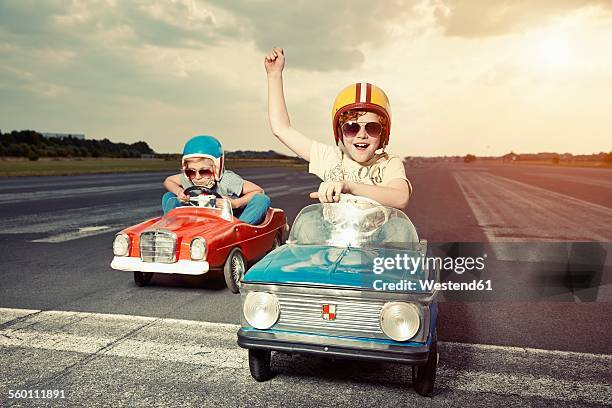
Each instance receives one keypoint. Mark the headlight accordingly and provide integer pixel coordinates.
(261, 309)
(121, 245)
(399, 320)
(198, 249)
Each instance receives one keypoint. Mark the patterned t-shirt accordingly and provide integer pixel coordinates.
(329, 163)
(230, 184)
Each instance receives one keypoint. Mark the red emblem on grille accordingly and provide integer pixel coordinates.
(328, 312)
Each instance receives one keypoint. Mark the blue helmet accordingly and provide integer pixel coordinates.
(208, 147)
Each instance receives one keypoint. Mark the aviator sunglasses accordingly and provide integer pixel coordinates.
(350, 129)
(204, 173)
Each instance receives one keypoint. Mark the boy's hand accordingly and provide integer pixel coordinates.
(235, 202)
(183, 197)
(275, 61)
(329, 191)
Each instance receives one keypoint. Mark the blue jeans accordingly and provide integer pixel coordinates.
(253, 213)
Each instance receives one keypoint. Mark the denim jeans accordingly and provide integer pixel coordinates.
(253, 213)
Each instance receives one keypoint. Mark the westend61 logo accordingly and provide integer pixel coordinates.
(412, 264)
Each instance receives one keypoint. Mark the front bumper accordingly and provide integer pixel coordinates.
(183, 267)
(333, 346)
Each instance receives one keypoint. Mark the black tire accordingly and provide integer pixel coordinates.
(142, 278)
(424, 377)
(259, 364)
(234, 269)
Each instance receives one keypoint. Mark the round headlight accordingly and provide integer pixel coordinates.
(121, 245)
(399, 320)
(198, 249)
(261, 309)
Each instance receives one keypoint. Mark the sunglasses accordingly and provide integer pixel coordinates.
(204, 173)
(350, 129)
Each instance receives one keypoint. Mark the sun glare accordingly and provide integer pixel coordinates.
(554, 50)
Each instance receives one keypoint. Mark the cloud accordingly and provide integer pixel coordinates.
(483, 18)
(321, 36)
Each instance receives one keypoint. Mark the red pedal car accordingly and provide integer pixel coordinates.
(196, 239)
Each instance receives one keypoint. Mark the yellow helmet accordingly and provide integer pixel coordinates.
(362, 96)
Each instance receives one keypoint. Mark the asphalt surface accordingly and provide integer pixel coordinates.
(545, 230)
(117, 360)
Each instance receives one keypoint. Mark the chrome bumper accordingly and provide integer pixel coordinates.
(333, 346)
(183, 267)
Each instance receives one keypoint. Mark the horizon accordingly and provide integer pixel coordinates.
(291, 154)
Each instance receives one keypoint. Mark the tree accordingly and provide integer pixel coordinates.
(469, 158)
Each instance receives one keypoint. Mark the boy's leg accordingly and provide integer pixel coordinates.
(255, 211)
(170, 202)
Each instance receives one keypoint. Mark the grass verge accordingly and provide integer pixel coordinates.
(10, 167)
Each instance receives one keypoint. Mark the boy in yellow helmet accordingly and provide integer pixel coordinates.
(358, 164)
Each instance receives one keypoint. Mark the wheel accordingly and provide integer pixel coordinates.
(142, 278)
(424, 377)
(234, 270)
(259, 364)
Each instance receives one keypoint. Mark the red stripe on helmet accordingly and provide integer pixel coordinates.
(357, 92)
(368, 93)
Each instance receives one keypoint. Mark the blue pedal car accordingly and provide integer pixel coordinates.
(341, 287)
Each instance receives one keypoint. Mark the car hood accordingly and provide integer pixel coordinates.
(188, 223)
(329, 266)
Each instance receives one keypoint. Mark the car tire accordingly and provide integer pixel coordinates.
(234, 270)
(259, 364)
(142, 278)
(424, 376)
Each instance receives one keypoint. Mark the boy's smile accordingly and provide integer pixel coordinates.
(362, 147)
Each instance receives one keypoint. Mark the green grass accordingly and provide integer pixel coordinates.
(63, 167)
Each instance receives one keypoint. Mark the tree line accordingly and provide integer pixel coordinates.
(31, 144)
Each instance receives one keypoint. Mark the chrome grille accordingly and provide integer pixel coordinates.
(354, 317)
(158, 246)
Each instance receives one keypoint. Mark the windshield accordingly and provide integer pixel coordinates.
(354, 224)
(221, 205)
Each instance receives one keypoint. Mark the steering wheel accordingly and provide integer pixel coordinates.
(195, 191)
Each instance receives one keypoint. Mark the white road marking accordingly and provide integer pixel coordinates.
(575, 179)
(294, 190)
(527, 385)
(268, 176)
(275, 188)
(66, 225)
(73, 192)
(214, 344)
(62, 226)
(513, 212)
(509, 210)
(81, 233)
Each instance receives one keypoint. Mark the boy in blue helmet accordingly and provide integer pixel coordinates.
(203, 166)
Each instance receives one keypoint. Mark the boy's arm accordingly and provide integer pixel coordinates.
(173, 185)
(249, 189)
(277, 108)
(395, 194)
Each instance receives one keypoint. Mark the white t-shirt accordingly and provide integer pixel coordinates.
(329, 163)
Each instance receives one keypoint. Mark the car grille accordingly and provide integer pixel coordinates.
(354, 317)
(157, 246)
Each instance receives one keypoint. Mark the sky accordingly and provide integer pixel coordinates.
(463, 76)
